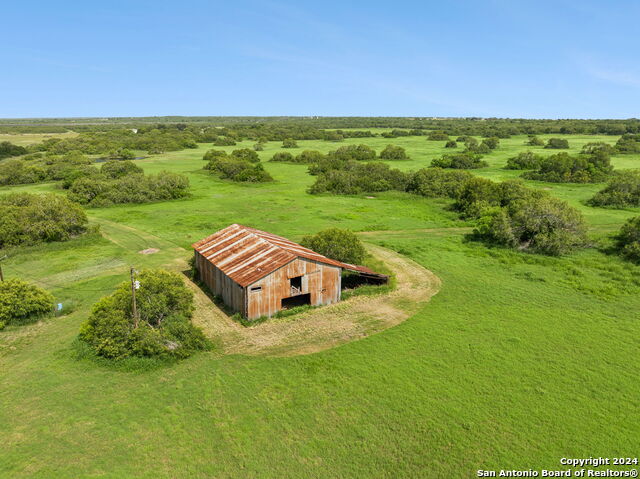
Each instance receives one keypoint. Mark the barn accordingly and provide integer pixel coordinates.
(257, 273)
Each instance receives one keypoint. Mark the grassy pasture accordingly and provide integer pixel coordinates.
(24, 139)
(518, 361)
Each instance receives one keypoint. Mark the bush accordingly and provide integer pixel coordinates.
(8, 149)
(437, 136)
(309, 156)
(460, 161)
(246, 154)
(541, 224)
(527, 160)
(289, 143)
(164, 329)
(355, 177)
(21, 302)
(222, 141)
(334, 243)
(101, 191)
(213, 154)
(283, 156)
(598, 147)
(564, 168)
(492, 142)
(120, 169)
(238, 170)
(628, 239)
(354, 152)
(557, 143)
(451, 144)
(18, 172)
(628, 143)
(29, 219)
(622, 191)
(534, 141)
(393, 152)
(438, 183)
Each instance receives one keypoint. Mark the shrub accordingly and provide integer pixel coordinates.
(492, 142)
(100, 191)
(451, 144)
(628, 143)
(461, 161)
(355, 177)
(526, 160)
(258, 146)
(222, 141)
(283, 156)
(118, 169)
(17, 172)
(212, 154)
(21, 302)
(628, 239)
(355, 152)
(246, 154)
(596, 147)
(164, 329)
(334, 243)
(238, 170)
(437, 135)
(557, 143)
(541, 224)
(622, 191)
(29, 219)
(438, 183)
(289, 143)
(393, 152)
(309, 156)
(564, 168)
(534, 141)
(8, 149)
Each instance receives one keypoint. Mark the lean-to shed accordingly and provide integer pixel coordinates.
(257, 273)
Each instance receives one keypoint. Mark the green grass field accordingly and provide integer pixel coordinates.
(518, 361)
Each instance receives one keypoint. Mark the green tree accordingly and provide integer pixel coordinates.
(289, 143)
(338, 244)
(165, 307)
(393, 152)
(628, 239)
(557, 143)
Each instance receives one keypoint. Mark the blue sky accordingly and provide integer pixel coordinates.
(534, 59)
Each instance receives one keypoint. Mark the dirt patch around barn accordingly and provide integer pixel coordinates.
(328, 326)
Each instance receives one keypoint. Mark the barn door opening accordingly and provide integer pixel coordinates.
(296, 285)
(293, 301)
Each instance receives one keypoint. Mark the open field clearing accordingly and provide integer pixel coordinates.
(519, 359)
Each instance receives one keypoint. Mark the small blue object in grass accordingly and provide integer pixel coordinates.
(59, 306)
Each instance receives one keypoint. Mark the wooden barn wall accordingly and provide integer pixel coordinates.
(220, 284)
(321, 281)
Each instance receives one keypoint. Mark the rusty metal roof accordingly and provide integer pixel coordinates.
(246, 254)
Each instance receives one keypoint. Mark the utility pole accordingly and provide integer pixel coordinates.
(1, 275)
(136, 318)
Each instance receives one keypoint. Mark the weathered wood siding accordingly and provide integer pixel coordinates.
(320, 280)
(221, 285)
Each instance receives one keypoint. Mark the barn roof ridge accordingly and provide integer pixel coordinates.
(247, 254)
